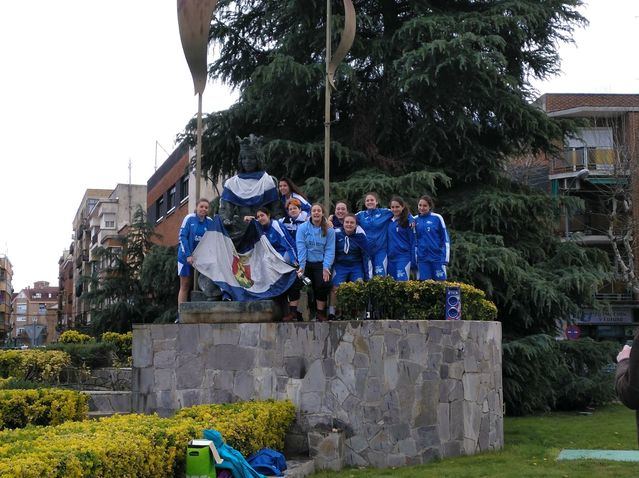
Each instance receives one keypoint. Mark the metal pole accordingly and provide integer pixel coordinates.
(327, 110)
(198, 165)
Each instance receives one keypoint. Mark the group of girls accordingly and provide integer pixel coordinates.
(349, 247)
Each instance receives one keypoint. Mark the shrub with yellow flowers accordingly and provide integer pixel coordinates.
(386, 298)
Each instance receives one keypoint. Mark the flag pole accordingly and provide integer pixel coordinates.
(327, 110)
(198, 167)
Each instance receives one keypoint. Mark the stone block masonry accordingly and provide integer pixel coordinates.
(403, 392)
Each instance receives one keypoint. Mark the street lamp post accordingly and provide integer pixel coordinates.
(581, 175)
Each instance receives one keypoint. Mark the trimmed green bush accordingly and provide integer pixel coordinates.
(541, 374)
(33, 365)
(92, 355)
(386, 298)
(74, 337)
(42, 406)
(136, 445)
(122, 343)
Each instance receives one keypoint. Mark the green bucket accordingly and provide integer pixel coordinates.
(199, 459)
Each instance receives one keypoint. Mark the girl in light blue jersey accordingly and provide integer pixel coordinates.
(432, 244)
(374, 221)
(316, 252)
(401, 240)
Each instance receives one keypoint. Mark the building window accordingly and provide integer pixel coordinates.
(170, 199)
(21, 318)
(109, 221)
(37, 295)
(184, 187)
(91, 204)
(21, 308)
(20, 331)
(159, 208)
(42, 309)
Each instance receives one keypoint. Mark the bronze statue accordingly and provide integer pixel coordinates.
(249, 189)
(243, 193)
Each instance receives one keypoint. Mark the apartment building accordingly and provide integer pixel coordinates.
(6, 292)
(80, 251)
(595, 165)
(65, 288)
(171, 194)
(101, 221)
(35, 315)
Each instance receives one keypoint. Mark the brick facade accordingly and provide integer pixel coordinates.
(552, 102)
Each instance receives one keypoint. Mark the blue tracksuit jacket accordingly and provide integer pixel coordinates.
(191, 231)
(401, 241)
(375, 224)
(431, 243)
(292, 224)
(281, 240)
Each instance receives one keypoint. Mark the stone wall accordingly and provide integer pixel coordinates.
(404, 392)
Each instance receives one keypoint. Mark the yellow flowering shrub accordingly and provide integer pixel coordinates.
(386, 298)
(136, 445)
(74, 337)
(35, 365)
(42, 406)
(238, 422)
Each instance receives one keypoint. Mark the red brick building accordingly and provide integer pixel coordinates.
(171, 195)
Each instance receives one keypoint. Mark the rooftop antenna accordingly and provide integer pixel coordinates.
(129, 187)
(157, 144)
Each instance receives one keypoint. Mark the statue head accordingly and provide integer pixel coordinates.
(250, 154)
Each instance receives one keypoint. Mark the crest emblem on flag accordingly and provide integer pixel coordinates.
(242, 271)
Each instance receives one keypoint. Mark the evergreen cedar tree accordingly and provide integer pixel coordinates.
(137, 284)
(432, 98)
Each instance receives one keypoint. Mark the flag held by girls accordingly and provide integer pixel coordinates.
(253, 271)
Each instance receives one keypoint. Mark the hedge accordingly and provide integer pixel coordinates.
(74, 337)
(385, 298)
(43, 406)
(137, 445)
(542, 374)
(33, 365)
(92, 354)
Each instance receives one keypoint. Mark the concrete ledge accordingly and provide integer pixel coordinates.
(229, 312)
(109, 402)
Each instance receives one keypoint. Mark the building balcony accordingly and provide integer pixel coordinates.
(598, 161)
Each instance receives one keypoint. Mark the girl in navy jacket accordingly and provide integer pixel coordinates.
(288, 190)
(294, 217)
(283, 243)
(432, 243)
(374, 221)
(401, 240)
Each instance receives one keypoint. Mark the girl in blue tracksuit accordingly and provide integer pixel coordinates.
(351, 256)
(288, 190)
(316, 252)
(401, 240)
(192, 230)
(294, 217)
(283, 243)
(374, 221)
(432, 244)
(337, 218)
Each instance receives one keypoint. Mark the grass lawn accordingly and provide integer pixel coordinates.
(532, 446)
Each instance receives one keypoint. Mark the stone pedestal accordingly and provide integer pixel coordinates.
(229, 312)
(403, 392)
(326, 448)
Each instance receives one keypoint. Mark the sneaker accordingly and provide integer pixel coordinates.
(300, 317)
(290, 317)
(177, 320)
(331, 316)
(321, 316)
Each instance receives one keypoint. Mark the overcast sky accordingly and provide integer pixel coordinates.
(88, 85)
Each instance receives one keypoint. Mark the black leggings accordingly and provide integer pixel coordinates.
(315, 272)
